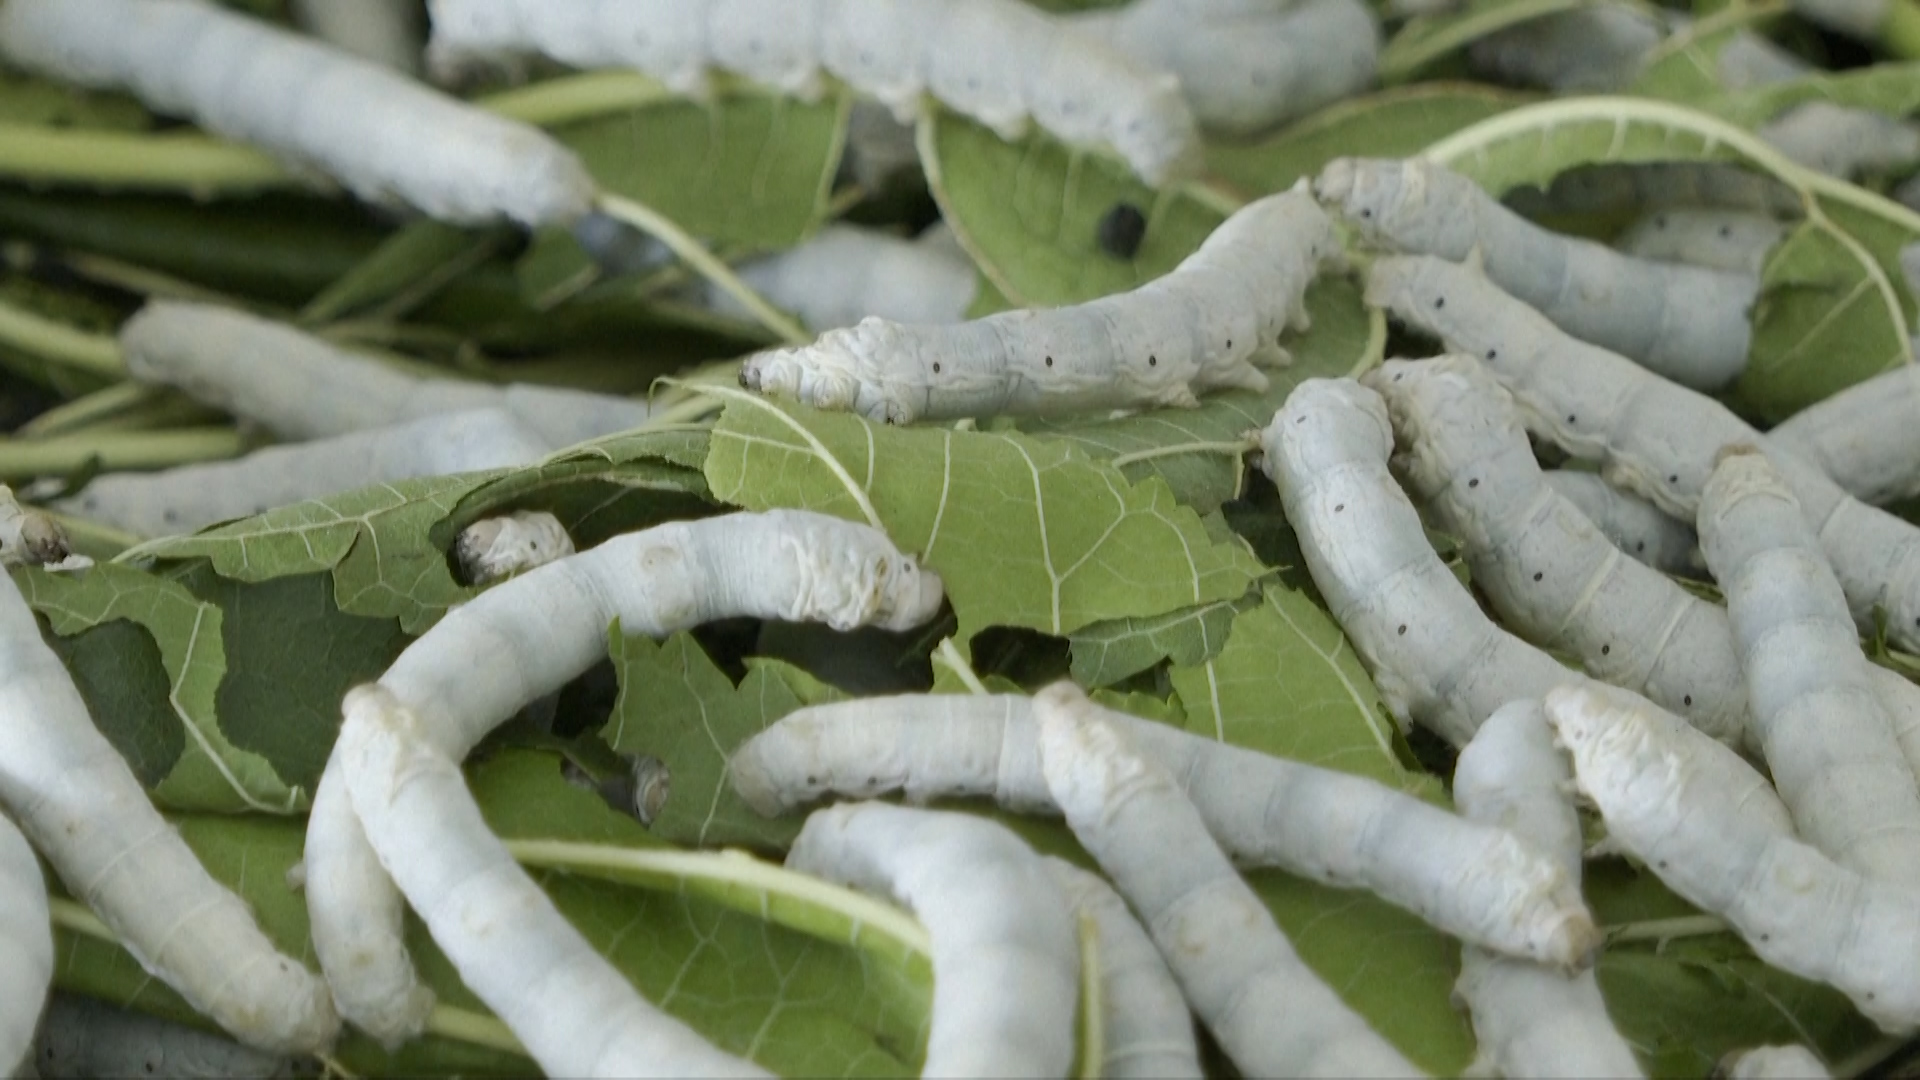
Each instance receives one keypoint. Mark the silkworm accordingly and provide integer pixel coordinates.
(190, 497)
(1437, 660)
(29, 537)
(847, 273)
(1842, 141)
(575, 1013)
(1270, 1012)
(1687, 323)
(1737, 241)
(1081, 91)
(1243, 66)
(299, 386)
(1827, 740)
(1006, 959)
(83, 1038)
(1331, 827)
(1799, 910)
(1201, 327)
(526, 638)
(499, 547)
(1593, 49)
(26, 946)
(1554, 579)
(1652, 437)
(73, 796)
(1792, 1062)
(1632, 524)
(1530, 1020)
(352, 119)
(1863, 437)
(1149, 1032)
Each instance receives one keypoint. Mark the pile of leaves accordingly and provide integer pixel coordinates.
(1137, 554)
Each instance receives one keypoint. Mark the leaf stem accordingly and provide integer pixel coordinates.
(60, 344)
(767, 891)
(195, 163)
(949, 655)
(118, 450)
(553, 102)
(106, 402)
(1665, 930)
(690, 251)
(1093, 1004)
(1231, 449)
(818, 448)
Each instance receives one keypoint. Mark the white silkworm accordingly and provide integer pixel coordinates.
(1863, 437)
(1652, 437)
(1201, 327)
(29, 537)
(387, 33)
(498, 547)
(1435, 657)
(1593, 49)
(847, 273)
(74, 796)
(1632, 524)
(1531, 1020)
(575, 1013)
(1792, 1062)
(1800, 911)
(1006, 959)
(1149, 1032)
(1737, 241)
(190, 497)
(1842, 141)
(379, 133)
(84, 1038)
(1331, 827)
(26, 946)
(1688, 323)
(1083, 92)
(527, 638)
(299, 386)
(1247, 66)
(1827, 740)
(1554, 579)
(1270, 1012)
(1748, 61)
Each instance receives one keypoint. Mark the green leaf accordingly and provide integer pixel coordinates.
(677, 706)
(796, 1003)
(210, 772)
(1194, 450)
(1389, 123)
(1835, 284)
(407, 267)
(1025, 532)
(386, 546)
(1029, 212)
(25, 99)
(1107, 652)
(752, 169)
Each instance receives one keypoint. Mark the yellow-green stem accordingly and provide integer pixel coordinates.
(111, 159)
(65, 454)
(88, 409)
(60, 344)
(690, 251)
(1900, 34)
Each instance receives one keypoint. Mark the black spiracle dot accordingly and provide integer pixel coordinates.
(936, 367)
(1121, 231)
(1639, 546)
(1605, 650)
(1571, 418)
(1673, 479)
(1153, 361)
(1439, 302)
(1337, 507)
(1474, 483)
(1049, 361)
(1403, 629)
(1491, 353)
(1687, 699)
(1537, 575)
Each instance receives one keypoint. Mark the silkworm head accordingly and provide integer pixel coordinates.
(1156, 134)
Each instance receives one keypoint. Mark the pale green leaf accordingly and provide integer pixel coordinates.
(210, 773)
(1029, 212)
(1107, 652)
(1026, 532)
(1389, 123)
(386, 546)
(678, 707)
(1426, 39)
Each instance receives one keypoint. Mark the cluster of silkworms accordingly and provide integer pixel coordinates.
(1606, 686)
